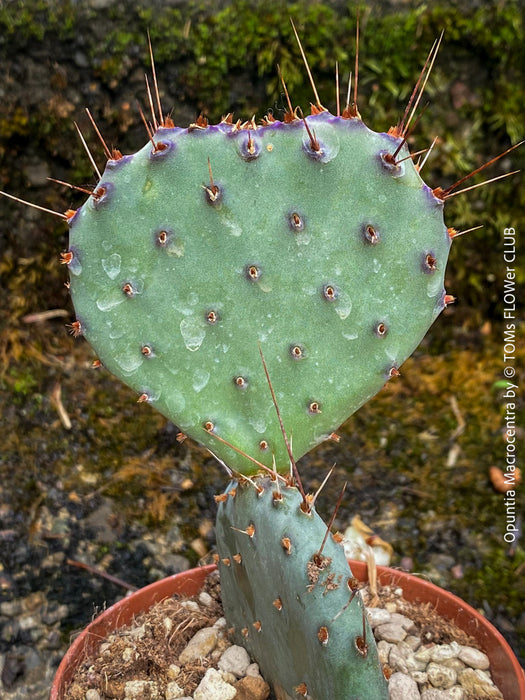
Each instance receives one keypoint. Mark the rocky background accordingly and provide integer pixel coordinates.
(89, 476)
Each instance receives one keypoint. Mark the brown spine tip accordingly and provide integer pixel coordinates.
(314, 407)
(286, 544)
(244, 632)
(448, 299)
(429, 262)
(146, 351)
(221, 498)
(102, 194)
(250, 530)
(249, 124)
(263, 445)
(305, 506)
(143, 398)
(329, 292)
(96, 364)
(257, 625)
(202, 122)
(361, 646)
(237, 558)
(212, 317)
(249, 148)
(240, 382)
(371, 235)
(226, 561)
(351, 112)
(296, 222)
(297, 352)
(381, 329)
(209, 426)
(253, 272)
(301, 689)
(75, 328)
(278, 604)
(128, 290)
(335, 437)
(393, 372)
(213, 192)
(66, 258)
(322, 635)
(314, 145)
(161, 238)
(353, 583)
(388, 161)
(160, 147)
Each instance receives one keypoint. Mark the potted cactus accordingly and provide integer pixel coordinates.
(251, 282)
(505, 669)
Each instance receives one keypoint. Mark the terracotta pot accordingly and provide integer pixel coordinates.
(505, 669)
(186, 583)
(504, 666)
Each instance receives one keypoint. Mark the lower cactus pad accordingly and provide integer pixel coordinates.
(293, 607)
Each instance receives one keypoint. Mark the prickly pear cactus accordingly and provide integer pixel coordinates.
(311, 243)
(308, 238)
(292, 605)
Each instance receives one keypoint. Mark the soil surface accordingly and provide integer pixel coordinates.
(105, 671)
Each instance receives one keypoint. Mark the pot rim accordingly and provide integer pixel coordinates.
(505, 669)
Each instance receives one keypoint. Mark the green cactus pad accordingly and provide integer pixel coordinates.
(292, 608)
(331, 260)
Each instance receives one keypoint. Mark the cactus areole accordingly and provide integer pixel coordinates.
(312, 240)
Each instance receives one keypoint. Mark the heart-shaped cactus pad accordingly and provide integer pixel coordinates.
(312, 241)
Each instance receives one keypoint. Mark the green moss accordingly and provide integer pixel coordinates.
(23, 383)
(497, 583)
(33, 21)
